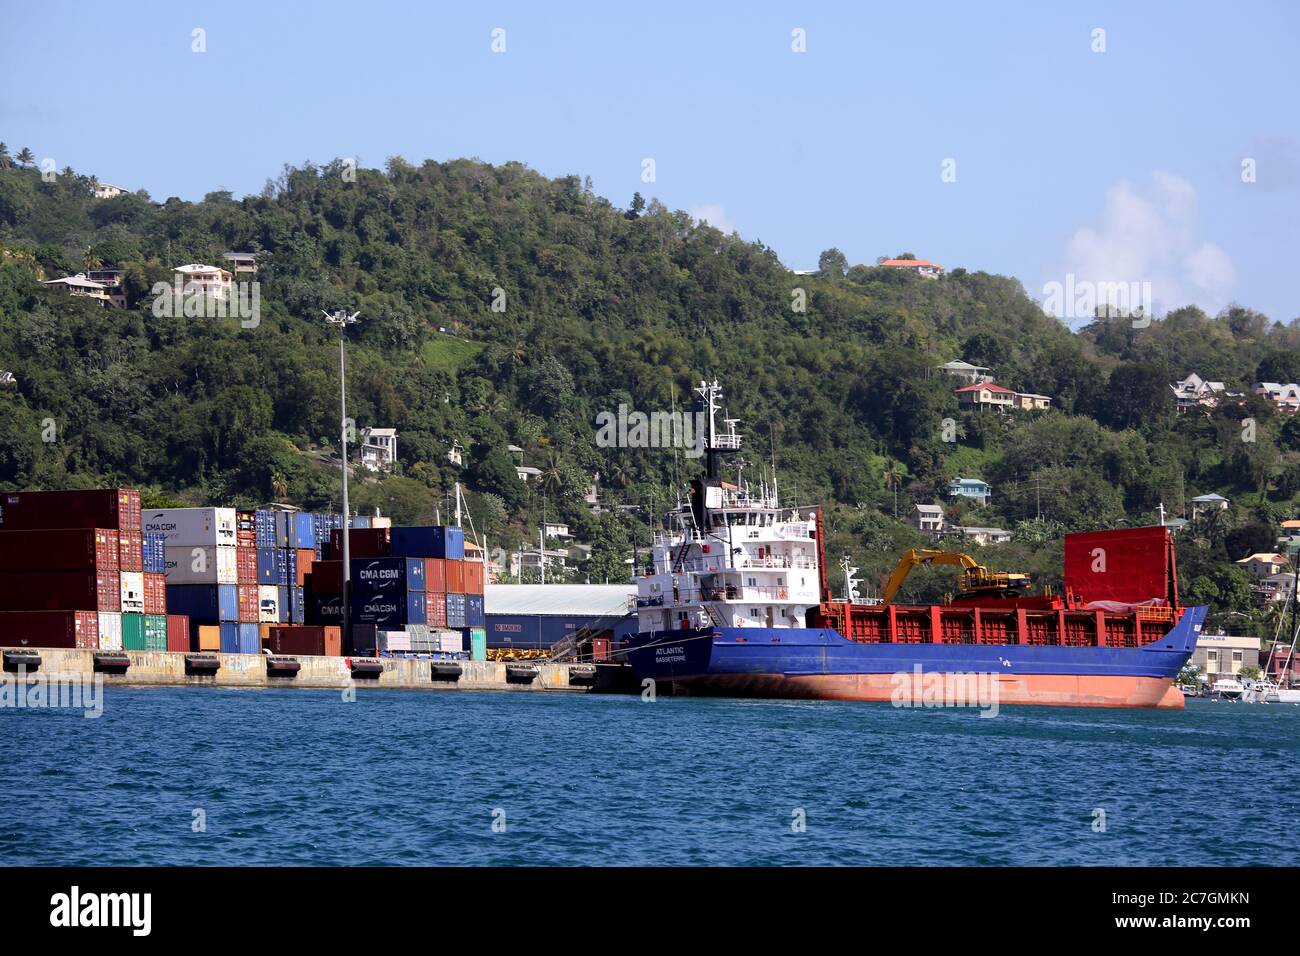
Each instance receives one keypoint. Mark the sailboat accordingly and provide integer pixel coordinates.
(1265, 690)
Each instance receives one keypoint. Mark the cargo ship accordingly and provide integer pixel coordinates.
(735, 602)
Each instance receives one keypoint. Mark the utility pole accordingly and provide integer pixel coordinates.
(343, 320)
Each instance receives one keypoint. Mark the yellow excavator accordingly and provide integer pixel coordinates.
(975, 578)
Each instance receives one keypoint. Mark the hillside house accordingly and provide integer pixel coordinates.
(111, 280)
(920, 267)
(985, 395)
(972, 488)
(242, 262)
(1030, 402)
(1263, 565)
(379, 448)
(1210, 502)
(108, 191)
(1194, 392)
(928, 519)
(974, 374)
(981, 536)
(1286, 398)
(209, 281)
(1275, 587)
(527, 473)
(82, 287)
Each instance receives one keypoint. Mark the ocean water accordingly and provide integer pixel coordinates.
(206, 776)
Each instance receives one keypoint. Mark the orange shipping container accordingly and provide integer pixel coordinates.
(435, 574)
(248, 603)
(333, 642)
(305, 558)
(455, 576)
(473, 577)
(209, 637)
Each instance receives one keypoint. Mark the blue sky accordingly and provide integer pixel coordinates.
(1123, 165)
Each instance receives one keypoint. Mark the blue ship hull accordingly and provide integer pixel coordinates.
(820, 663)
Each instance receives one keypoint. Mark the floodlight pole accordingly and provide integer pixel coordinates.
(343, 320)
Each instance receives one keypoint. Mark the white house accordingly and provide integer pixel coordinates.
(242, 261)
(921, 267)
(82, 287)
(209, 281)
(928, 518)
(379, 448)
(1285, 397)
(982, 536)
(965, 370)
(527, 473)
(1210, 502)
(108, 191)
(557, 530)
(972, 488)
(1193, 392)
(1263, 565)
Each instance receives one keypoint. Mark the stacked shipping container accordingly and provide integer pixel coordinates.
(78, 570)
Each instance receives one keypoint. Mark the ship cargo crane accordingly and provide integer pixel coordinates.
(975, 578)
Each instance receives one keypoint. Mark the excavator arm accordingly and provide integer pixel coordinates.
(922, 556)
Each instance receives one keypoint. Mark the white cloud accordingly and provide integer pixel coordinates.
(1152, 235)
(714, 215)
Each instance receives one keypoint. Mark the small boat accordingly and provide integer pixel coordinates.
(1227, 689)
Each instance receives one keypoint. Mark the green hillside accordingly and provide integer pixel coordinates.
(558, 305)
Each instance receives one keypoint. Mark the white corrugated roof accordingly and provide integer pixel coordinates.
(588, 599)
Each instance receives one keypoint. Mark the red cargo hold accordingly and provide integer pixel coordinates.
(131, 551)
(1129, 566)
(296, 640)
(473, 577)
(455, 574)
(306, 556)
(117, 508)
(178, 632)
(68, 549)
(435, 574)
(362, 543)
(49, 629)
(60, 591)
(155, 593)
(245, 565)
(435, 609)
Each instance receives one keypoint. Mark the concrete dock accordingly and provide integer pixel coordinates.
(173, 668)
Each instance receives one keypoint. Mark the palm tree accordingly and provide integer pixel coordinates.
(5, 161)
(894, 478)
(279, 486)
(552, 476)
(26, 157)
(90, 260)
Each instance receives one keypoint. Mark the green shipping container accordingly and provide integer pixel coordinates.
(133, 632)
(155, 632)
(476, 643)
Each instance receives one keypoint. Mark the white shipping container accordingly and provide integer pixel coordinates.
(449, 642)
(360, 521)
(392, 641)
(418, 636)
(381, 522)
(132, 584)
(268, 604)
(110, 631)
(193, 526)
(200, 564)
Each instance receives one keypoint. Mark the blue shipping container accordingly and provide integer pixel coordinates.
(250, 639)
(427, 542)
(282, 600)
(265, 529)
(456, 611)
(474, 616)
(372, 575)
(297, 606)
(324, 610)
(390, 610)
(154, 546)
(265, 565)
(230, 638)
(294, 529)
(204, 603)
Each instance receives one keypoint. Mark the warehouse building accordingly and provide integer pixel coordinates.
(536, 616)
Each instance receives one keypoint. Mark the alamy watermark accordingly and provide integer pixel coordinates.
(1085, 299)
(193, 300)
(53, 691)
(939, 689)
(634, 429)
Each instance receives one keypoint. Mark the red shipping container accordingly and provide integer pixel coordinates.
(248, 603)
(246, 529)
(362, 543)
(68, 549)
(435, 574)
(49, 629)
(155, 593)
(245, 565)
(178, 632)
(327, 577)
(296, 640)
(60, 591)
(131, 551)
(455, 573)
(306, 556)
(435, 609)
(600, 648)
(473, 577)
(117, 508)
